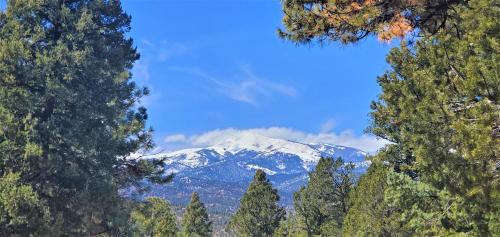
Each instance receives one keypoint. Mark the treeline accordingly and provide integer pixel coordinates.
(154, 217)
(319, 207)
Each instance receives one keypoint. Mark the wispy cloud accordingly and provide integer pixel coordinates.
(363, 142)
(327, 126)
(142, 75)
(175, 138)
(164, 50)
(147, 42)
(153, 52)
(249, 88)
(141, 72)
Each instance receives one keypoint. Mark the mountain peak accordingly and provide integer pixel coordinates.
(253, 146)
(221, 171)
(259, 143)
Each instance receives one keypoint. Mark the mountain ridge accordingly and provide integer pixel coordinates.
(220, 173)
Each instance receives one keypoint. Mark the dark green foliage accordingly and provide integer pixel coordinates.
(67, 111)
(386, 203)
(195, 221)
(315, 203)
(154, 218)
(21, 210)
(420, 209)
(369, 213)
(323, 203)
(290, 228)
(351, 20)
(259, 213)
(440, 107)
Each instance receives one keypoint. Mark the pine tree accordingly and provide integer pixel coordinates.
(351, 20)
(323, 203)
(21, 210)
(154, 218)
(369, 213)
(315, 203)
(259, 213)
(195, 221)
(290, 227)
(68, 110)
(440, 107)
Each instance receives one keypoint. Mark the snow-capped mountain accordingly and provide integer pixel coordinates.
(222, 172)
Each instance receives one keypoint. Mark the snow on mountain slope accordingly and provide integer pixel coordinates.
(250, 142)
(221, 173)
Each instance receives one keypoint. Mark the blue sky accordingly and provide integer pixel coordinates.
(218, 64)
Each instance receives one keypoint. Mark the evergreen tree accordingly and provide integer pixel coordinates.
(21, 211)
(67, 111)
(323, 203)
(440, 107)
(195, 221)
(290, 227)
(315, 203)
(351, 20)
(420, 209)
(259, 213)
(387, 203)
(154, 218)
(369, 214)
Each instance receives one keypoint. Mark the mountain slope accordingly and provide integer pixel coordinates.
(222, 172)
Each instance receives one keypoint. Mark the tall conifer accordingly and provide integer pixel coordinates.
(323, 203)
(68, 111)
(259, 213)
(439, 105)
(195, 221)
(154, 217)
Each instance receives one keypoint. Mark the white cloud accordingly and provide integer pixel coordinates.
(250, 89)
(175, 138)
(363, 142)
